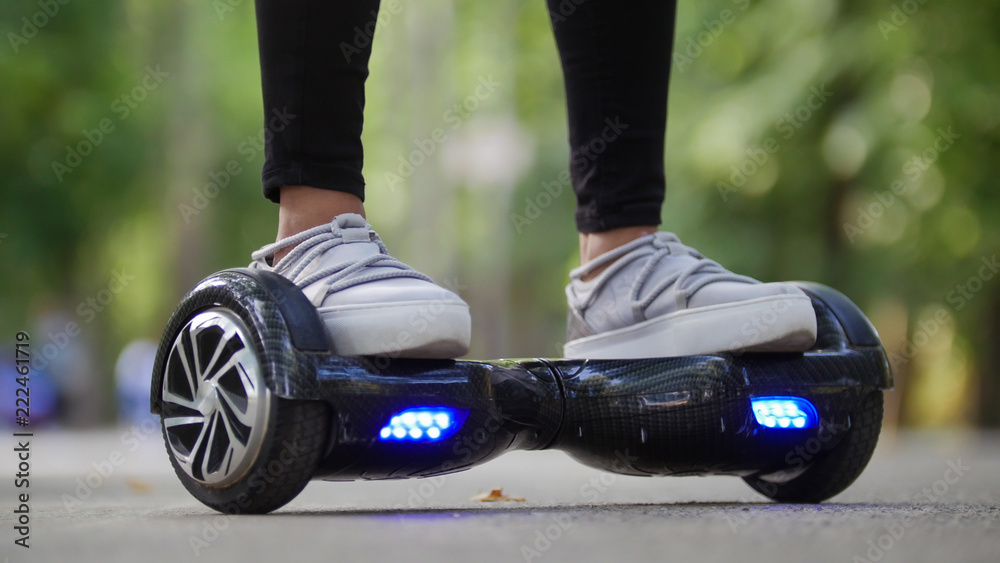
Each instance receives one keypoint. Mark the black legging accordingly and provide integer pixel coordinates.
(616, 64)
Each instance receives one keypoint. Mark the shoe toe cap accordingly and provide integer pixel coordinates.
(732, 292)
(397, 317)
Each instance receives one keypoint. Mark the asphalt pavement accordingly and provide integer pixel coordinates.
(112, 496)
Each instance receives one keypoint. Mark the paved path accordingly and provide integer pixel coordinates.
(908, 506)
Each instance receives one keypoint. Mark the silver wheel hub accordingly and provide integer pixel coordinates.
(215, 401)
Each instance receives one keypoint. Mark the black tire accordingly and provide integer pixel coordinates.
(284, 466)
(235, 445)
(835, 470)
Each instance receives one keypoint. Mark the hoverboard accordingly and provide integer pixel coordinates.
(254, 403)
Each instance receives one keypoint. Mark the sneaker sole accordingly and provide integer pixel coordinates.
(782, 323)
(408, 329)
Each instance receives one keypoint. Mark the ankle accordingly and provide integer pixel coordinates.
(593, 245)
(305, 207)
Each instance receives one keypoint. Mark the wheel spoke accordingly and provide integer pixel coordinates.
(171, 397)
(219, 347)
(249, 384)
(215, 435)
(193, 342)
(206, 448)
(237, 445)
(244, 416)
(232, 361)
(187, 460)
(179, 349)
(182, 421)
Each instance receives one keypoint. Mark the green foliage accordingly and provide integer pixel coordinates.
(883, 79)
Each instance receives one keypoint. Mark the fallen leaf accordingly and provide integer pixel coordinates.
(496, 495)
(138, 486)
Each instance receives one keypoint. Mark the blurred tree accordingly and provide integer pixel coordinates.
(848, 142)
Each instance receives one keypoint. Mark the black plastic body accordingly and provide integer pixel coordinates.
(665, 416)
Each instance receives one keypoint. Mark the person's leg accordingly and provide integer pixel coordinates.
(313, 73)
(638, 292)
(314, 63)
(616, 64)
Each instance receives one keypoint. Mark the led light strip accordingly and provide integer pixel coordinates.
(423, 424)
(791, 413)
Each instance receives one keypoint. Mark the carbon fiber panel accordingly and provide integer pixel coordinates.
(661, 416)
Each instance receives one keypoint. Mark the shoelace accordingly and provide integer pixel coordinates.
(314, 242)
(688, 281)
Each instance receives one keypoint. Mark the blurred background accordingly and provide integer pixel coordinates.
(852, 143)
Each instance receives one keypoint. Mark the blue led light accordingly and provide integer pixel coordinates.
(423, 424)
(784, 412)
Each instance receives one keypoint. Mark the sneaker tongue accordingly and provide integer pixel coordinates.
(355, 243)
(351, 251)
(351, 227)
(356, 239)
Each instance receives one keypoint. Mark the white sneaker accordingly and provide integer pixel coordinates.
(660, 298)
(371, 303)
